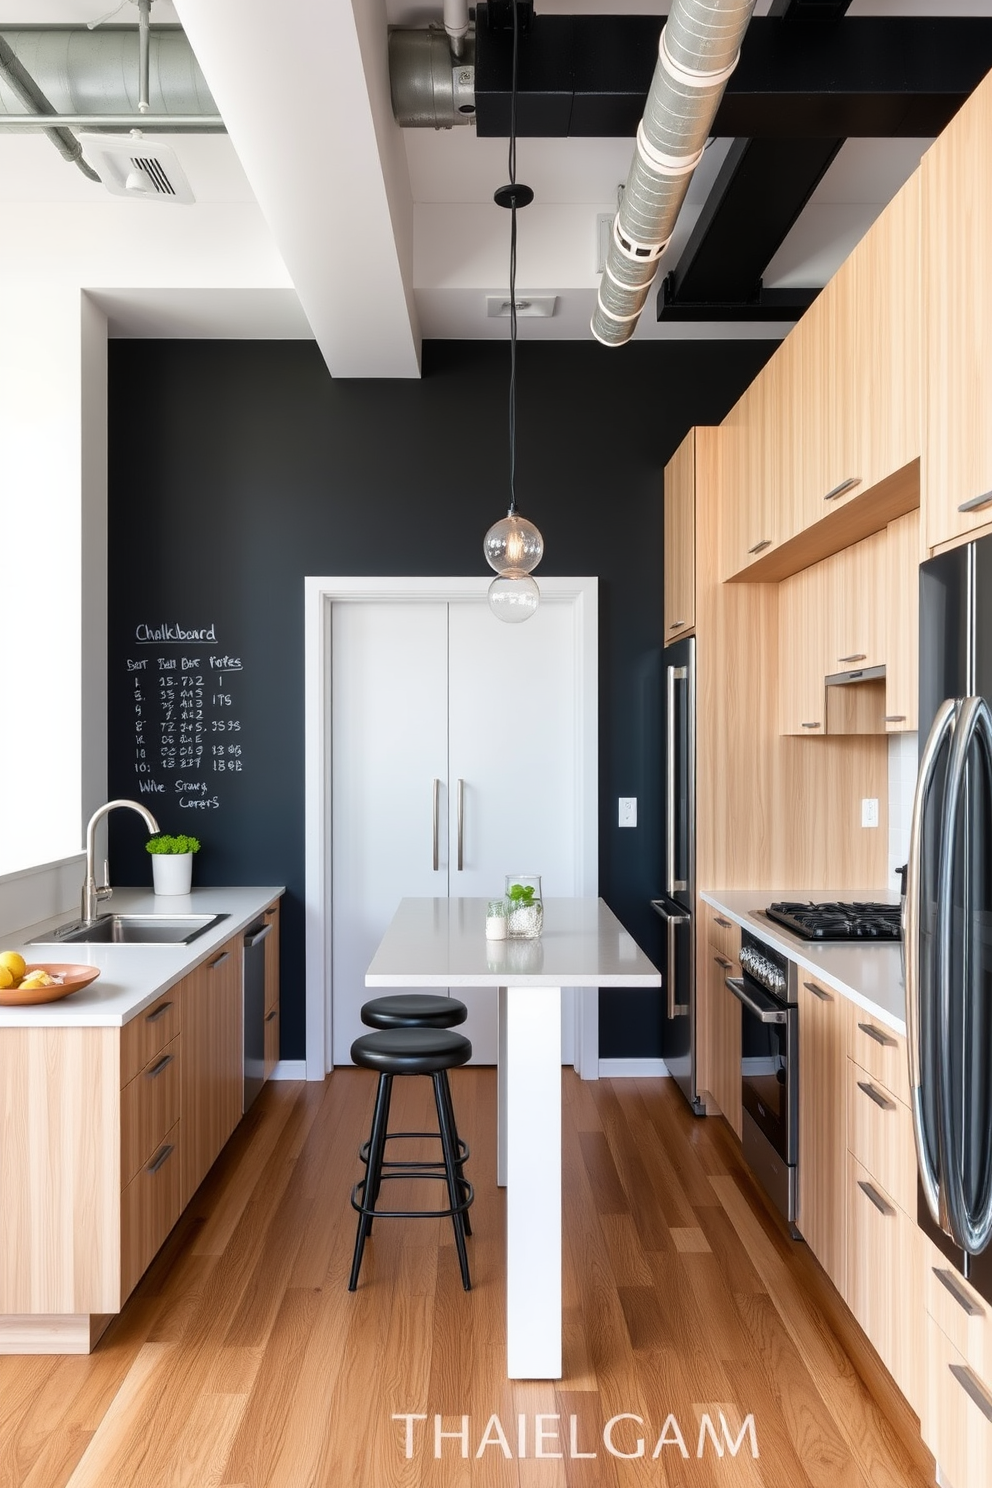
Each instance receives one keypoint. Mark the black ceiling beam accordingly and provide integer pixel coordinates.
(764, 304)
(762, 187)
(854, 76)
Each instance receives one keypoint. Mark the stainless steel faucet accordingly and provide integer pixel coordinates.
(91, 894)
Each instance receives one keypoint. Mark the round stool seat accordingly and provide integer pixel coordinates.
(411, 1051)
(414, 1010)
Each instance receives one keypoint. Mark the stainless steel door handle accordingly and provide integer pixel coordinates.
(435, 808)
(873, 1194)
(972, 1388)
(876, 1095)
(461, 825)
(675, 1009)
(673, 885)
(876, 1035)
(845, 485)
(768, 1014)
(926, 1142)
(253, 940)
(817, 991)
(951, 1284)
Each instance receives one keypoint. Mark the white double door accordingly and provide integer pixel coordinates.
(454, 763)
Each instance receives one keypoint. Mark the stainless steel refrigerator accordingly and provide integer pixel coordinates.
(948, 915)
(676, 907)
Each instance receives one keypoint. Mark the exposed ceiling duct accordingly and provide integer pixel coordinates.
(698, 50)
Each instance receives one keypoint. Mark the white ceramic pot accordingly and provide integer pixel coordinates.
(172, 873)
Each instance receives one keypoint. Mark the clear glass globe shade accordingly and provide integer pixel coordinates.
(513, 545)
(514, 597)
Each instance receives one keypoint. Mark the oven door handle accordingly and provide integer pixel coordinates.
(770, 1012)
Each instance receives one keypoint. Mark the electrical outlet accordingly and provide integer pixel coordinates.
(869, 811)
(628, 811)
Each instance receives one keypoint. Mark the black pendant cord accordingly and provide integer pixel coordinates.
(512, 168)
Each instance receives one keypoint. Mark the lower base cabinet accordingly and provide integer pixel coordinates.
(823, 1038)
(720, 1075)
(150, 1206)
(957, 1408)
(213, 1061)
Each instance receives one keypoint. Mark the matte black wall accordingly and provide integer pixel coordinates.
(237, 468)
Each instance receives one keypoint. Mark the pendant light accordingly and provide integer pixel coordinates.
(513, 546)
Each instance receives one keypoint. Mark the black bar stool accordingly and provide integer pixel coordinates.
(412, 1051)
(418, 1010)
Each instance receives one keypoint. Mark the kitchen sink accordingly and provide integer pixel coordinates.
(123, 929)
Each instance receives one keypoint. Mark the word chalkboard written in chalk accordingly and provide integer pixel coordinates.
(184, 691)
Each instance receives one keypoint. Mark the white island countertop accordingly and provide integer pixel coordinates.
(131, 976)
(868, 973)
(442, 943)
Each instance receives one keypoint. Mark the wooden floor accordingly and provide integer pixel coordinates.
(243, 1360)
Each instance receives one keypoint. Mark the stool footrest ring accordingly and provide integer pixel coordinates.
(373, 1213)
(464, 1152)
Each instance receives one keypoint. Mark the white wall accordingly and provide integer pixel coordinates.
(903, 764)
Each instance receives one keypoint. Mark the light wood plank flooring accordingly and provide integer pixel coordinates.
(242, 1361)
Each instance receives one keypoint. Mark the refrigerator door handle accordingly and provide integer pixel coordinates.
(971, 1226)
(673, 885)
(926, 1142)
(675, 1009)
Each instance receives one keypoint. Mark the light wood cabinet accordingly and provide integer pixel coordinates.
(680, 539)
(212, 1066)
(150, 1106)
(880, 1132)
(823, 1126)
(719, 1039)
(150, 1206)
(802, 646)
(881, 1052)
(758, 507)
(902, 624)
(853, 599)
(271, 1037)
(885, 1279)
(956, 1417)
(957, 366)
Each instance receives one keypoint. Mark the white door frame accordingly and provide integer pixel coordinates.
(320, 595)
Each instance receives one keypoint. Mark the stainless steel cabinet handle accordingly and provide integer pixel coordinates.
(254, 940)
(273, 1014)
(159, 1012)
(818, 724)
(436, 797)
(675, 1009)
(674, 885)
(876, 1033)
(876, 1198)
(161, 1156)
(818, 992)
(676, 625)
(894, 718)
(951, 1284)
(722, 962)
(759, 547)
(768, 1014)
(976, 503)
(163, 1064)
(858, 656)
(845, 485)
(724, 924)
(972, 1388)
(220, 961)
(876, 1095)
(461, 825)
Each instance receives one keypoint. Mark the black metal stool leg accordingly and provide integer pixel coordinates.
(458, 1146)
(456, 1189)
(373, 1174)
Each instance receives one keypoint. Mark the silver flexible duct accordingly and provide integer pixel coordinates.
(699, 47)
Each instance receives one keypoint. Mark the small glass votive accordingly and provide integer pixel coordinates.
(496, 919)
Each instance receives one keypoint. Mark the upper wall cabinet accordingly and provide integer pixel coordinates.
(680, 539)
(823, 445)
(957, 229)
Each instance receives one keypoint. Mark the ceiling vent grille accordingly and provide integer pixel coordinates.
(136, 168)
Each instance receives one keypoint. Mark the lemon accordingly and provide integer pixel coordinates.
(36, 979)
(6, 980)
(14, 962)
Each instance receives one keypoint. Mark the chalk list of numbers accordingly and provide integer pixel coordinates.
(187, 730)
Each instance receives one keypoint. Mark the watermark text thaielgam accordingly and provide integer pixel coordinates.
(550, 1435)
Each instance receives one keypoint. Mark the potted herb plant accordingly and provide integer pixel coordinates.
(172, 862)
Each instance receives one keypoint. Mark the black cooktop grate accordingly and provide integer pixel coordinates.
(839, 921)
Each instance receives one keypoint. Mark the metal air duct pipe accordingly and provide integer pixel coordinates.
(699, 47)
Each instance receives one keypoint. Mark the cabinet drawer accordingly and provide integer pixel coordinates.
(149, 1032)
(960, 1313)
(880, 1135)
(149, 1107)
(957, 1414)
(722, 934)
(881, 1052)
(884, 1286)
(150, 1206)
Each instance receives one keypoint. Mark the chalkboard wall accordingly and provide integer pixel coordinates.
(237, 468)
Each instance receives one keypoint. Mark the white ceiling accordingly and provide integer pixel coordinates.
(387, 236)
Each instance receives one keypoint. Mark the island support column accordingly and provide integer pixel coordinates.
(529, 1163)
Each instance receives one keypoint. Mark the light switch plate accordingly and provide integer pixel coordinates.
(628, 811)
(869, 811)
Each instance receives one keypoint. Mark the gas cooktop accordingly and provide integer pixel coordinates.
(839, 921)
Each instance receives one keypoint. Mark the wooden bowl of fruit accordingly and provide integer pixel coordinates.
(23, 985)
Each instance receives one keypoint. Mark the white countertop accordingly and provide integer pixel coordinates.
(131, 976)
(868, 973)
(442, 943)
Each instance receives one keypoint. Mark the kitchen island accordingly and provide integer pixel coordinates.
(115, 1102)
